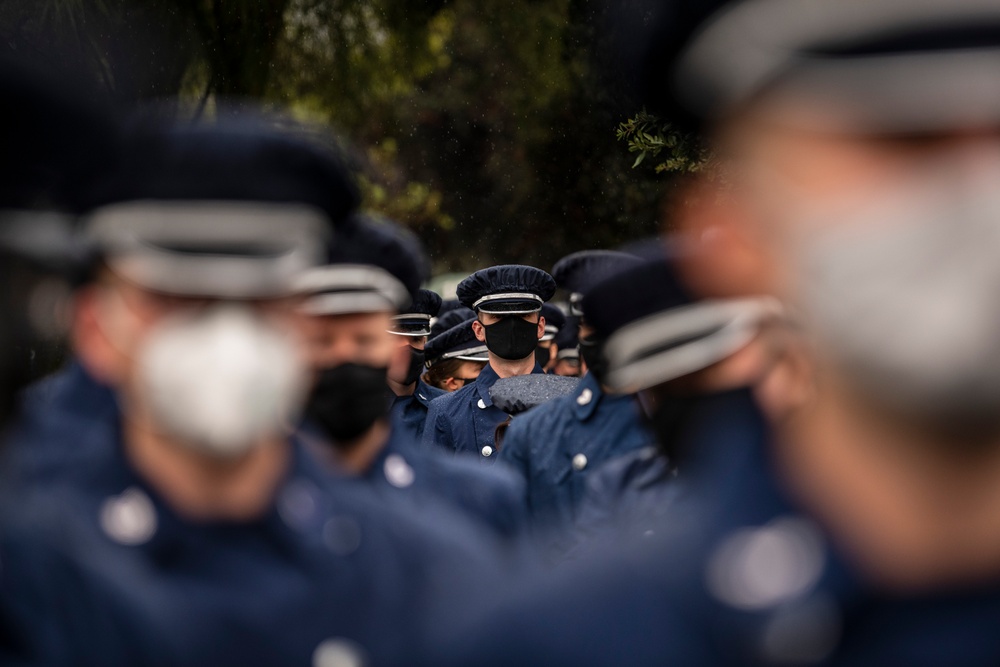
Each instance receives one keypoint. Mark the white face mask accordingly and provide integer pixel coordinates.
(902, 290)
(220, 379)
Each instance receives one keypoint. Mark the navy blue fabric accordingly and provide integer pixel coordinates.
(569, 336)
(426, 302)
(458, 337)
(466, 420)
(627, 498)
(491, 496)
(451, 318)
(38, 449)
(649, 602)
(375, 241)
(632, 294)
(242, 158)
(553, 316)
(542, 443)
(329, 559)
(512, 278)
(579, 271)
(409, 413)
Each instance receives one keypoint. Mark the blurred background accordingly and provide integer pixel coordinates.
(491, 128)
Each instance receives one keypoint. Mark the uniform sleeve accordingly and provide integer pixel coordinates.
(514, 451)
(437, 429)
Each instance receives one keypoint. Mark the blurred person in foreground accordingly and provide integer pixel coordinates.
(507, 300)
(680, 357)
(171, 472)
(352, 304)
(55, 145)
(862, 151)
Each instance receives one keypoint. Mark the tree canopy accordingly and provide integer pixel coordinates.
(486, 126)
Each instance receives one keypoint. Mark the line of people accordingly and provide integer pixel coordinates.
(770, 438)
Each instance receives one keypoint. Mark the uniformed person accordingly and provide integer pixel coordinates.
(412, 394)
(507, 300)
(545, 354)
(557, 445)
(863, 153)
(567, 344)
(353, 303)
(455, 357)
(449, 318)
(186, 501)
(677, 355)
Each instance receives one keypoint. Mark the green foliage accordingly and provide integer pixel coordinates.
(480, 124)
(650, 136)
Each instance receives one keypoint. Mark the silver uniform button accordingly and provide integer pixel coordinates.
(129, 518)
(481, 404)
(579, 462)
(487, 451)
(764, 567)
(398, 472)
(585, 397)
(339, 652)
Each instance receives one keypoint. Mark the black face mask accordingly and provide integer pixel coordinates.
(512, 338)
(543, 355)
(592, 351)
(347, 400)
(416, 366)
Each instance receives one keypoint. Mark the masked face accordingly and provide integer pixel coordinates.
(592, 351)
(666, 417)
(898, 287)
(416, 366)
(348, 399)
(512, 337)
(220, 379)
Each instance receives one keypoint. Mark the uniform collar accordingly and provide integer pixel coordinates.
(426, 393)
(488, 377)
(588, 394)
(294, 508)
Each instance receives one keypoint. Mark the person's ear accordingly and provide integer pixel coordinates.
(451, 384)
(726, 254)
(541, 327)
(90, 341)
(479, 331)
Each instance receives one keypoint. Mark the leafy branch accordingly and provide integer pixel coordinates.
(652, 137)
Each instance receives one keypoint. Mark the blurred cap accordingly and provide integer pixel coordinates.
(233, 209)
(568, 340)
(506, 289)
(881, 66)
(416, 321)
(659, 332)
(374, 265)
(578, 272)
(554, 320)
(458, 342)
(447, 320)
